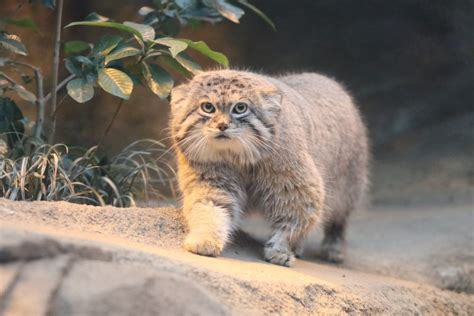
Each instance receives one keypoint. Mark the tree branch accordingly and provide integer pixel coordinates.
(61, 102)
(9, 79)
(55, 70)
(107, 130)
(59, 87)
(40, 104)
(15, 62)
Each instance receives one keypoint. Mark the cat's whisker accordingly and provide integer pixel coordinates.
(195, 148)
(265, 139)
(262, 143)
(174, 145)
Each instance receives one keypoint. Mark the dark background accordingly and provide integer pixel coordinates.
(408, 63)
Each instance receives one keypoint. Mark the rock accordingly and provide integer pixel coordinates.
(104, 288)
(8, 275)
(18, 244)
(35, 287)
(457, 278)
(57, 277)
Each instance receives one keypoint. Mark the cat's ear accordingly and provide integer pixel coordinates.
(179, 93)
(271, 97)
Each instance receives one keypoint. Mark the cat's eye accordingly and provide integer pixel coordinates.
(208, 107)
(240, 108)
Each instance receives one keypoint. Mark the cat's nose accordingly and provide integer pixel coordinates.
(222, 126)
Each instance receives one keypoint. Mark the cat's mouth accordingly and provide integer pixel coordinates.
(222, 136)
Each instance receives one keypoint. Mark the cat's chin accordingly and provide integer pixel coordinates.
(225, 151)
(223, 143)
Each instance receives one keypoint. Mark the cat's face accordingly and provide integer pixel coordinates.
(225, 116)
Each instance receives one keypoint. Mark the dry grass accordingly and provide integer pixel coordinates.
(57, 172)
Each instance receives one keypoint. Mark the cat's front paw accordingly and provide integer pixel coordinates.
(279, 255)
(202, 244)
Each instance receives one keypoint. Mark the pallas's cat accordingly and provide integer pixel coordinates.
(293, 148)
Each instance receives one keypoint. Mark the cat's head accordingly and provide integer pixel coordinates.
(225, 115)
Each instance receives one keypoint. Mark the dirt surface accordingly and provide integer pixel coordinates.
(433, 245)
(76, 259)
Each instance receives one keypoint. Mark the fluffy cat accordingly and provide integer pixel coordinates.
(293, 147)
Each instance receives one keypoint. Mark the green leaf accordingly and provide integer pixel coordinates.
(183, 4)
(147, 32)
(24, 23)
(151, 19)
(91, 78)
(159, 81)
(4, 126)
(226, 9)
(73, 66)
(171, 62)
(83, 60)
(9, 111)
(11, 121)
(122, 51)
(23, 93)
(145, 10)
(134, 71)
(80, 90)
(3, 84)
(258, 12)
(74, 47)
(155, 52)
(186, 61)
(175, 46)
(117, 64)
(94, 16)
(115, 82)
(106, 44)
(202, 47)
(13, 43)
(113, 25)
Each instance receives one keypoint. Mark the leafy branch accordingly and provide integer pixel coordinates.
(104, 66)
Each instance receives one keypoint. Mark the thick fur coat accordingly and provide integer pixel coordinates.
(293, 148)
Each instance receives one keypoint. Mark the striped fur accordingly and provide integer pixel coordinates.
(298, 155)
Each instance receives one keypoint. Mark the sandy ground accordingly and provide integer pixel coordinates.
(396, 261)
(425, 244)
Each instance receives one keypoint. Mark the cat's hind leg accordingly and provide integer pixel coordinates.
(293, 204)
(333, 246)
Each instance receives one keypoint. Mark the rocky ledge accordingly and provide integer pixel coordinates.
(58, 258)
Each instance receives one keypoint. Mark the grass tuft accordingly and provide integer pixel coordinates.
(58, 172)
